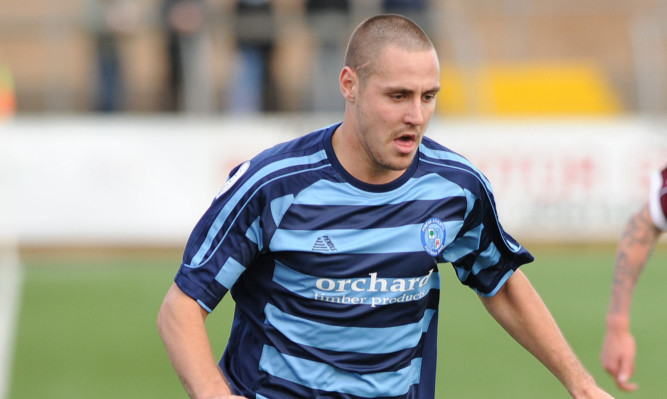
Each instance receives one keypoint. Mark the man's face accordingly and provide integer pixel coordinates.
(394, 105)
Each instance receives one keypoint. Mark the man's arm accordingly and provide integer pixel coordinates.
(520, 311)
(634, 248)
(181, 327)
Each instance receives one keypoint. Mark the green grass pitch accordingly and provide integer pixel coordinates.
(87, 327)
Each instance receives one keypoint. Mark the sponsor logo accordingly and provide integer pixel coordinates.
(324, 244)
(372, 290)
(230, 182)
(433, 236)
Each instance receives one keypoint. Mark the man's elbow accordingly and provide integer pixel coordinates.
(177, 309)
(167, 310)
(162, 317)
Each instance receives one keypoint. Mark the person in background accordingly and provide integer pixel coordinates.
(329, 21)
(251, 85)
(111, 21)
(640, 234)
(330, 244)
(189, 86)
(416, 10)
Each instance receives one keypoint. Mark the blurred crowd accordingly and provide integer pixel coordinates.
(278, 55)
(249, 56)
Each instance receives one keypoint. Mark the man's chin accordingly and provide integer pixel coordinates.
(402, 163)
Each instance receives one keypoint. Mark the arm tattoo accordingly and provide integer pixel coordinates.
(634, 249)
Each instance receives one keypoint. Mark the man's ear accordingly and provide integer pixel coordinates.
(349, 84)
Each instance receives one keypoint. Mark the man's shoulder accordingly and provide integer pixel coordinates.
(285, 159)
(437, 154)
(453, 166)
(306, 148)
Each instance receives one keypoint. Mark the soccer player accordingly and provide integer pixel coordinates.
(330, 245)
(634, 249)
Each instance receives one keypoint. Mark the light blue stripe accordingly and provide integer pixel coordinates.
(321, 376)
(254, 234)
(512, 246)
(452, 156)
(470, 198)
(430, 187)
(452, 228)
(229, 273)
(462, 273)
(236, 198)
(499, 285)
(367, 290)
(258, 396)
(348, 339)
(279, 206)
(203, 305)
(380, 240)
(489, 257)
(480, 176)
(464, 245)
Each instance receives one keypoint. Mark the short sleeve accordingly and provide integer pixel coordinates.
(484, 256)
(223, 243)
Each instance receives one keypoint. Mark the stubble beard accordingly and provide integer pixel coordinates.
(384, 156)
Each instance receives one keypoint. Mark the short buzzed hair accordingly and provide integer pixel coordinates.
(374, 34)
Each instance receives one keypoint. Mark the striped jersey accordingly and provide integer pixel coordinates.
(336, 281)
(658, 199)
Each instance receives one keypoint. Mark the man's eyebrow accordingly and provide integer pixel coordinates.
(391, 89)
(398, 89)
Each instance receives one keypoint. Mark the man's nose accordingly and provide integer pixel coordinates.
(415, 113)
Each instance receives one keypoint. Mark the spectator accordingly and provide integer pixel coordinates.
(329, 20)
(111, 21)
(639, 236)
(251, 84)
(188, 78)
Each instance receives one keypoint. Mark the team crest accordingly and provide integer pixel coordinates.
(433, 236)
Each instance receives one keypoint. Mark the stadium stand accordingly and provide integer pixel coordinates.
(611, 53)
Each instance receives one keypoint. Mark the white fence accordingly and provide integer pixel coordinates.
(146, 180)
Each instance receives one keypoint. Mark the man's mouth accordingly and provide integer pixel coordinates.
(405, 142)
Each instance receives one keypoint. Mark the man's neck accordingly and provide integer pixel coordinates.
(356, 162)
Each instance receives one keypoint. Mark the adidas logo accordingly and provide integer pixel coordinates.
(324, 244)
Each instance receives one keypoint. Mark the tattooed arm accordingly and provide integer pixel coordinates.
(634, 249)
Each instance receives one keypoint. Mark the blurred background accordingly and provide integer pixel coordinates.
(228, 56)
(120, 120)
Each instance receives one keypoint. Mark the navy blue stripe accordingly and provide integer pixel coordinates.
(388, 315)
(357, 265)
(349, 362)
(276, 388)
(318, 217)
(476, 182)
(322, 376)
(231, 210)
(366, 340)
(208, 296)
(269, 166)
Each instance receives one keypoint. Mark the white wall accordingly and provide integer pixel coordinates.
(147, 180)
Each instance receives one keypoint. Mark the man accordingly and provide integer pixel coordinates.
(330, 246)
(634, 249)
